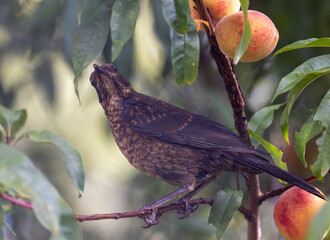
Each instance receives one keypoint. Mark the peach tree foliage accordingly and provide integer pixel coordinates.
(92, 35)
(21, 180)
(24, 184)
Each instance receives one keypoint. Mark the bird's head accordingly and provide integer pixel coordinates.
(109, 83)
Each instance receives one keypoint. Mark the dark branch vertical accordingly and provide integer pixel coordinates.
(228, 75)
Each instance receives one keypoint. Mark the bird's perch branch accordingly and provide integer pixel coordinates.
(178, 206)
(228, 75)
(248, 214)
(162, 210)
(181, 205)
(144, 213)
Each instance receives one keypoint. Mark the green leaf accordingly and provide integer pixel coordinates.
(123, 20)
(262, 119)
(69, 154)
(90, 39)
(17, 172)
(11, 121)
(185, 42)
(320, 225)
(306, 72)
(245, 40)
(296, 81)
(274, 151)
(223, 209)
(311, 42)
(294, 93)
(284, 123)
(323, 111)
(322, 164)
(176, 14)
(306, 133)
(89, 10)
(185, 55)
(80, 5)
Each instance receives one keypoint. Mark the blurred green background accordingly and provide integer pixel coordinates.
(36, 38)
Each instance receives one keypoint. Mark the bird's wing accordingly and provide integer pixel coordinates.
(171, 124)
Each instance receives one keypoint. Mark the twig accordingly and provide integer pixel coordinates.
(16, 201)
(143, 213)
(248, 214)
(160, 212)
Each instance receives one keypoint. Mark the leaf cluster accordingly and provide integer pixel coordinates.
(318, 122)
(21, 181)
(317, 125)
(100, 19)
(185, 60)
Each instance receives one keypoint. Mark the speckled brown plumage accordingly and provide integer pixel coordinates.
(171, 144)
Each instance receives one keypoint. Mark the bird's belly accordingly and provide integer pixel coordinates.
(171, 163)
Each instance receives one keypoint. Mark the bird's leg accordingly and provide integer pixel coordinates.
(165, 199)
(188, 209)
(152, 220)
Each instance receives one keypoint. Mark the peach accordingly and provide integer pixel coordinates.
(218, 9)
(294, 212)
(264, 35)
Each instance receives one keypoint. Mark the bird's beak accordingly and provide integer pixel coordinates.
(109, 71)
(104, 75)
(96, 76)
(99, 69)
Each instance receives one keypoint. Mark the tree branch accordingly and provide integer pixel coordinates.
(228, 75)
(143, 213)
(16, 201)
(162, 210)
(248, 214)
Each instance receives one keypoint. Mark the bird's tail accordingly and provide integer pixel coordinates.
(258, 162)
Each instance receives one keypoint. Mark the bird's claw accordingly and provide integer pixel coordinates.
(187, 209)
(150, 219)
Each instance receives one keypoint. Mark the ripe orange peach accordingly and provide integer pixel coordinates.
(294, 212)
(264, 35)
(218, 9)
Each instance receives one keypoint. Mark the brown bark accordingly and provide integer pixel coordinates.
(228, 75)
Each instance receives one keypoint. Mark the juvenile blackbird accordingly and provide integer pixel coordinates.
(173, 145)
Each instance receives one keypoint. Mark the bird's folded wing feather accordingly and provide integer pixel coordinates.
(178, 126)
